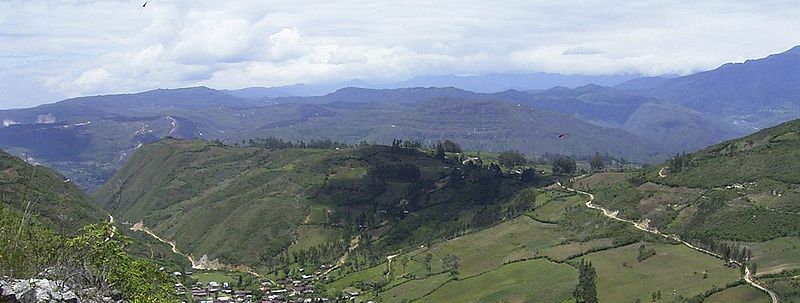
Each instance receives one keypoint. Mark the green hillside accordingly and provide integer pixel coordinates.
(51, 230)
(525, 260)
(264, 207)
(45, 194)
(741, 193)
(739, 190)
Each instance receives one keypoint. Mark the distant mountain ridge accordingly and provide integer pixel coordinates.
(486, 83)
(89, 138)
(756, 93)
(643, 119)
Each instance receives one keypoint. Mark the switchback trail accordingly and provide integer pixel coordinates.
(343, 259)
(661, 172)
(644, 226)
(140, 227)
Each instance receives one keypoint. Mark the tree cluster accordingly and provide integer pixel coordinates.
(597, 162)
(679, 163)
(450, 264)
(645, 253)
(399, 171)
(277, 143)
(92, 263)
(586, 290)
(564, 166)
(398, 144)
(320, 254)
(511, 158)
(451, 146)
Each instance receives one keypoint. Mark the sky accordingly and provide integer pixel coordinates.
(51, 50)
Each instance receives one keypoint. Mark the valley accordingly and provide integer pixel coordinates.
(631, 193)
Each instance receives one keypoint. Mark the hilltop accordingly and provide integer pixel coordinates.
(40, 192)
(756, 93)
(252, 206)
(738, 197)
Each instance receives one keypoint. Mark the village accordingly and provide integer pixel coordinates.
(297, 289)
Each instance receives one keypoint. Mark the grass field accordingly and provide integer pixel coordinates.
(788, 288)
(739, 294)
(528, 281)
(568, 251)
(369, 274)
(553, 208)
(674, 270)
(309, 236)
(216, 276)
(601, 180)
(487, 276)
(414, 289)
(776, 255)
(485, 250)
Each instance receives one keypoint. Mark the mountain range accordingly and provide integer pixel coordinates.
(643, 120)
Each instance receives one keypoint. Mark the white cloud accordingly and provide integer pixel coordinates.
(90, 79)
(582, 51)
(59, 49)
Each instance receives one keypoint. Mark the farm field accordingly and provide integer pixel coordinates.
(741, 293)
(415, 289)
(597, 180)
(675, 271)
(527, 281)
(552, 207)
(777, 254)
(510, 241)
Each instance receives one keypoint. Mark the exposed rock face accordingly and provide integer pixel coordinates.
(35, 290)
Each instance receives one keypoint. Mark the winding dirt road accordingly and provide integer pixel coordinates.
(140, 227)
(613, 214)
(661, 172)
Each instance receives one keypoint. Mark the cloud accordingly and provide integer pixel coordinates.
(582, 51)
(57, 49)
(89, 79)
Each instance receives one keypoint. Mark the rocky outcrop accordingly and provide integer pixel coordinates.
(35, 290)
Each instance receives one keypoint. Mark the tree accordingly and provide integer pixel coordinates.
(586, 290)
(679, 163)
(99, 255)
(404, 263)
(753, 268)
(451, 146)
(450, 263)
(597, 163)
(645, 253)
(439, 153)
(564, 165)
(428, 259)
(511, 158)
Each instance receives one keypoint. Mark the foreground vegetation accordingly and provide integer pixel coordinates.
(93, 263)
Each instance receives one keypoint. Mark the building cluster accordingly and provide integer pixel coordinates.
(298, 289)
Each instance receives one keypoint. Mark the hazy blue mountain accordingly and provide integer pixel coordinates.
(398, 95)
(88, 138)
(482, 124)
(642, 83)
(755, 93)
(295, 90)
(490, 83)
(679, 128)
(676, 127)
(147, 103)
(599, 104)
